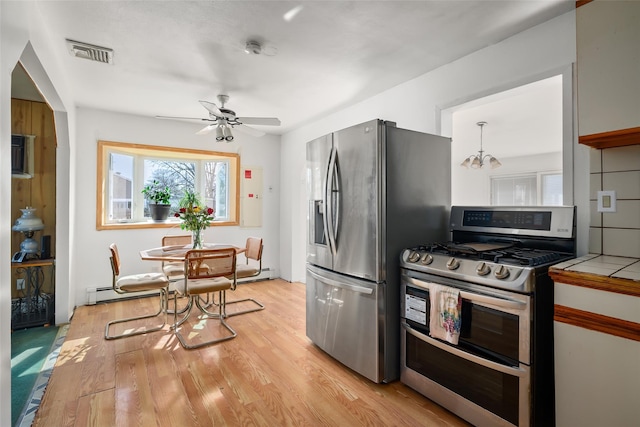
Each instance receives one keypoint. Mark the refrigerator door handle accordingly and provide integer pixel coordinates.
(331, 222)
(335, 201)
(355, 288)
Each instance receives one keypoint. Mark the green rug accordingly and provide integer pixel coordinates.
(29, 350)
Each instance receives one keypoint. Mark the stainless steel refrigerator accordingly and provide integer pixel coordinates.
(373, 189)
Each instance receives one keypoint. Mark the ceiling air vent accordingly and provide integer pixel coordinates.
(90, 51)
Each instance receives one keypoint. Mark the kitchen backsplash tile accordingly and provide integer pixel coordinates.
(595, 240)
(596, 217)
(621, 242)
(626, 215)
(595, 161)
(621, 159)
(616, 233)
(626, 184)
(595, 180)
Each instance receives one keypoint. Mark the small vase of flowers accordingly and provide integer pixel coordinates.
(195, 216)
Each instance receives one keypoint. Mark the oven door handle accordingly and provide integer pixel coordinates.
(509, 370)
(498, 302)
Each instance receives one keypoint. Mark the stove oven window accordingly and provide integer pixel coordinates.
(490, 333)
(485, 332)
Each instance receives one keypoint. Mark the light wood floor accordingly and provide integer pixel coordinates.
(270, 375)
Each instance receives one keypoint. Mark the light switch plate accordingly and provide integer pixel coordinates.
(607, 201)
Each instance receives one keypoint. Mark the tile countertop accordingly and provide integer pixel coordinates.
(603, 272)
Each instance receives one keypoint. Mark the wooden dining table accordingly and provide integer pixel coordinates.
(176, 253)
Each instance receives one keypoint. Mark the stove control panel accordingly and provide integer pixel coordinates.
(470, 270)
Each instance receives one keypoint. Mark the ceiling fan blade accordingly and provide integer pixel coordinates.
(211, 107)
(261, 121)
(199, 119)
(248, 130)
(205, 130)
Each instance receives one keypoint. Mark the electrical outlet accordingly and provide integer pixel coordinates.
(20, 284)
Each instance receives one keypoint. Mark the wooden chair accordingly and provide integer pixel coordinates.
(137, 283)
(252, 267)
(198, 281)
(175, 270)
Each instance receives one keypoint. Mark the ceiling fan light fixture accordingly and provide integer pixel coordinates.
(223, 120)
(226, 132)
(219, 133)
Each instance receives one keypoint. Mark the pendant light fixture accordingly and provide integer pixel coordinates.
(477, 161)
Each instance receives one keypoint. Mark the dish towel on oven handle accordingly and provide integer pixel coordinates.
(444, 316)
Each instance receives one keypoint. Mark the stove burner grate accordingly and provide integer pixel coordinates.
(511, 255)
(524, 257)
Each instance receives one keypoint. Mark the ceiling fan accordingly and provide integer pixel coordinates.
(222, 120)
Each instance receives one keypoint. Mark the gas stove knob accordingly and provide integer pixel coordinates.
(413, 256)
(501, 272)
(426, 259)
(483, 269)
(453, 264)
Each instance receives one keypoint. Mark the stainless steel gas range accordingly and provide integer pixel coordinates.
(495, 366)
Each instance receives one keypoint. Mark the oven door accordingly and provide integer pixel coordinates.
(486, 378)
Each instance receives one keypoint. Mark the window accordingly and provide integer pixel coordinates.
(124, 169)
(551, 189)
(527, 190)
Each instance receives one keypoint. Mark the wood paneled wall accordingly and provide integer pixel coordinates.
(35, 118)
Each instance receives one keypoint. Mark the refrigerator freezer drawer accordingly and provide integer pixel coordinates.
(342, 319)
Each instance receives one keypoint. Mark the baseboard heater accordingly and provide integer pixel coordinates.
(107, 294)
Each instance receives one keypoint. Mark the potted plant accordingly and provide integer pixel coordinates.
(159, 197)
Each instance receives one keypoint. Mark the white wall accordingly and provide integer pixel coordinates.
(416, 105)
(90, 267)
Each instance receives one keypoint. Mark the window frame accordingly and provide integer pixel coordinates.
(155, 151)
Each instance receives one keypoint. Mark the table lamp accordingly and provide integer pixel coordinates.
(27, 224)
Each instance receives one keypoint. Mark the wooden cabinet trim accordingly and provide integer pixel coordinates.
(594, 281)
(615, 138)
(597, 322)
(582, 2)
